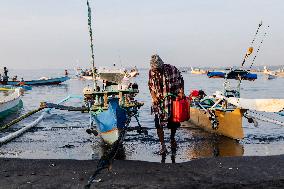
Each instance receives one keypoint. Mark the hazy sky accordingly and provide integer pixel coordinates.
(54, 33)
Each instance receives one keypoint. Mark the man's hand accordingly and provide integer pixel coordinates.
(181, 93)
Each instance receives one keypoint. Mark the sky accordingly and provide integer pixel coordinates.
(40, 34)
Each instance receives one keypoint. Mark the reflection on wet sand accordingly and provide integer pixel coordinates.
(219, 146)
(103, 150)
(193, 143)
(210, 145)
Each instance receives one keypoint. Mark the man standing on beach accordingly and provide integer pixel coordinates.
(164, 79)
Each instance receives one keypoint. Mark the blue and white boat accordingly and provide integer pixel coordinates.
(111, 110)
(42, 81)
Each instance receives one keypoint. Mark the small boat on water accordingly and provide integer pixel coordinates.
(280, 73)
(41, 81)
(236, 74)
(108, 74)
(197, 71)
(10, 102)
(269, 74)
(223, 112)
(9, 87)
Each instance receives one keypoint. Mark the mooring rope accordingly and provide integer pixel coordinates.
(266, 119)
(259, 25)
(264, 35)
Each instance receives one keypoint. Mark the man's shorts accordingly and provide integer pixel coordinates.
(170, 124)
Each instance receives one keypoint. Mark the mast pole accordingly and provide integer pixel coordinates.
(91, 44)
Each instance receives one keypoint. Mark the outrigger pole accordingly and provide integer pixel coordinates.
(250, 49)
(91, 44)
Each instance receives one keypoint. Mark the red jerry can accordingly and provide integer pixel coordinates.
(180, 110)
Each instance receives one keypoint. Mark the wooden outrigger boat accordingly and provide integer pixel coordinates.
(111, 105)
(111, 111)
(10, 103)
(44, 81)
(223, 112)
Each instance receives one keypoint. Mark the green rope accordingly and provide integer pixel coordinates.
(20, 118)
(162, 101)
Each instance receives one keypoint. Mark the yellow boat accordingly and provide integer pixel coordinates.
(223, 112)
(229, 122)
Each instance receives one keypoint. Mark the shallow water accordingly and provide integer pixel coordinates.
(62, 134)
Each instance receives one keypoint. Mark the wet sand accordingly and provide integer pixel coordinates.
(225, 172)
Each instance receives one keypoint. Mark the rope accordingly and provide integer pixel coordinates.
(258, 48)
(266, 119)
(259, 25)
(11, 136)
(21, 118)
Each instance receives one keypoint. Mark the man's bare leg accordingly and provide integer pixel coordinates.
(173, 140)
(160, 132)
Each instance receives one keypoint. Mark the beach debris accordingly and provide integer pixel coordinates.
(52, 165)
(67, 146)
(97, 180)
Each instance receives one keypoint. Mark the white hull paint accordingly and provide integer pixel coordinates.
(111, 136)
(264, 105)
(11, 101)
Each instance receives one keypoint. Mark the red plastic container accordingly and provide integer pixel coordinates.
(180, 111)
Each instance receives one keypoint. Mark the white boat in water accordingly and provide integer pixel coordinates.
(111, 74)
(280, 73)
(10, 102)
(197, 71)
(269, 74)
(116, 75)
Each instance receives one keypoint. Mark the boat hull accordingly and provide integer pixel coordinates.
(230, 123)
(52, 81)
(110, 121)
(10, 105)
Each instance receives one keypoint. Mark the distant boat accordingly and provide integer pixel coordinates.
(10, 102)
(86, 74)
(111, 74)
(42, 81)
(197, 71)
(280, 73)
(236, 74)
(10, 87)
(269, 74)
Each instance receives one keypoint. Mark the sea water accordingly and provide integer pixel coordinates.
(62, 134)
